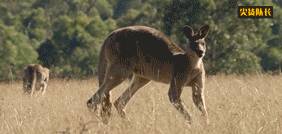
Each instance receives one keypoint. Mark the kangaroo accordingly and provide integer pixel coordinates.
(147, 55)
(35, 77)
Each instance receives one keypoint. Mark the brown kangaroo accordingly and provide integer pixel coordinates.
(147, 54)
(35, 77)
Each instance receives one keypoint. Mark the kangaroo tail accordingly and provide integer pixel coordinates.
(33, 78)
(102, 66)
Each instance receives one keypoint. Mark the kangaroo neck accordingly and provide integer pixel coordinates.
(195, 61)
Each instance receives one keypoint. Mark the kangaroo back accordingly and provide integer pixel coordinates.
(140, 50)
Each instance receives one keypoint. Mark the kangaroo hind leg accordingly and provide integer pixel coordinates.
(135, 85)
(113, 77)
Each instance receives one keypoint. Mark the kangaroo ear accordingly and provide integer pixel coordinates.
(203, 32)
(188, 31)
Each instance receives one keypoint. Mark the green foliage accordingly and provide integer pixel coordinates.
(16, 50)
(238, 62)
(134, 12)
(104, 8)
(69, 39)
(66, 35)
(272, 55)
(72, 50)
(234, 45)
(36, 24)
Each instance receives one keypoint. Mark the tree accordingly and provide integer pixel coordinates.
(68, 34)
(36, 25)
(73, 48)
(16, 50)
(137, 12)
(234, 44)
(271, 54)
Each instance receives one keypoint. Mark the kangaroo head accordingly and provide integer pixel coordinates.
(197, 40)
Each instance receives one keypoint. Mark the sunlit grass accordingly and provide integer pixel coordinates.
(236, 105)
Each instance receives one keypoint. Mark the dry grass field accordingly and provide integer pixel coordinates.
(236, 105)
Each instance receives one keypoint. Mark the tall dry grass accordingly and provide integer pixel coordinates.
(236, 105)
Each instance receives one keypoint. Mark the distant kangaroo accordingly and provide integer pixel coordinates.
(35, 77)
(147, 54)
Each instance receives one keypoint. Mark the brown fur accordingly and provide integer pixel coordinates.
(35, 77)
(147, 54)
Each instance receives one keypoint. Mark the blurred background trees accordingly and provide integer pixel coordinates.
(66, 35)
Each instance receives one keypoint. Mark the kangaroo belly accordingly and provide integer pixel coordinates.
(160, 72)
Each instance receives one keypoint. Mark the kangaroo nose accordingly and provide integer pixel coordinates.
(201, 52)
